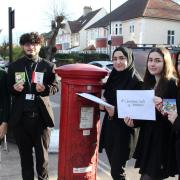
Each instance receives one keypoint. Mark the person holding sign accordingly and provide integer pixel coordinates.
(116, 137)
(173, 116)
(4, 104)
(31, 80)
(155, 152)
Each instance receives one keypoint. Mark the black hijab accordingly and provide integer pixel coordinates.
(121, 80)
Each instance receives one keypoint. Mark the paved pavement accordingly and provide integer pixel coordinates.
(10, 166)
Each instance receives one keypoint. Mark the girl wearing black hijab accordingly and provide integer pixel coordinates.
(116, 137)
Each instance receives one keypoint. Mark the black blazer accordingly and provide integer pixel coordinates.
(42, 99)
(177, 121)
(4, 97)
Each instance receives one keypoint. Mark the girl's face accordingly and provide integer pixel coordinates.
(119, 61)
(178, 64)
(155, 64)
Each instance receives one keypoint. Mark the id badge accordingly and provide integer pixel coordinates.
(30, 96)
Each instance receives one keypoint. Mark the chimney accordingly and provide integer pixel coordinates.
(86, 10)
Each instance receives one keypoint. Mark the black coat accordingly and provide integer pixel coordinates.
(155, 150)
(176, 126)
(116, 136)
(42, 99)
(4, 97)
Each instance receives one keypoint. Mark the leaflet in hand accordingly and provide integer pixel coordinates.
(169, 105)
(95, 99)
(19, 77)
(37, 77)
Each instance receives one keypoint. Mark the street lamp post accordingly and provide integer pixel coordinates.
(11, 26)
(110, 40)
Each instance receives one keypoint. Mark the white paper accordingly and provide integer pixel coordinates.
(38, 77)
(86, 117)
(136, 104)
(94, 99)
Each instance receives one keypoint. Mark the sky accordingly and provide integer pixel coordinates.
(36, 15)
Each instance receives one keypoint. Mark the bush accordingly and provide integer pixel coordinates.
(79, 58)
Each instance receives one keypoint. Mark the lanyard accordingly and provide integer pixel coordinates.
(28, 79)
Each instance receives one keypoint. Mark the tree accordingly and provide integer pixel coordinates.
(4, 50)
(56, 16)
(17, 52)
(55, 25)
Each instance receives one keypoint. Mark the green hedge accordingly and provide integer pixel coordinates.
(79, 58)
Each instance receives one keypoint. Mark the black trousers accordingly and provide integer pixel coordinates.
(28, 135)
(117, 163)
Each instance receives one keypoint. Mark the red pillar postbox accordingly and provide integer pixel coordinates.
(80, 121)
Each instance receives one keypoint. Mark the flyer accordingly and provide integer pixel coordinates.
(169, 105)
(19, 77)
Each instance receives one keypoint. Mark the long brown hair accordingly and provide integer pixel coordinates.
(176, 67)
(168, 71)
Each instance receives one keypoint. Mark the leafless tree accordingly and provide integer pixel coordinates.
(56, 16)
(56, 25)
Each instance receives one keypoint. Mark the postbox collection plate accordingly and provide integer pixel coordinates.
(86, 117)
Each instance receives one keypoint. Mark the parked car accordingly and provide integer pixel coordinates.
(174, 51)
(107, 65)
(2, 63)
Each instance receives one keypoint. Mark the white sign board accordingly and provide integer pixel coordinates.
(136, 104)
(86, 117)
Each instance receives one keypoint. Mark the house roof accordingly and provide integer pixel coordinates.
(78, 24)
(165, 9)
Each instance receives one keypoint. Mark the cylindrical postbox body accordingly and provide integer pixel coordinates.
(79, 121)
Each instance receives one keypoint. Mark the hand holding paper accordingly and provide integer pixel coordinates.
(110, 110)
(40, 87)
(19, 86)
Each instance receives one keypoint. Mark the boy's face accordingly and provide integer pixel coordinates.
(31, 49)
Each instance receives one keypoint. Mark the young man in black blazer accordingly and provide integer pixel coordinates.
(31, 80)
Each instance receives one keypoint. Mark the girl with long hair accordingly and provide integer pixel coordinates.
(174, 117)
(155, 148)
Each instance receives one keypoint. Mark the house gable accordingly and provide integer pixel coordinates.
(77, 25)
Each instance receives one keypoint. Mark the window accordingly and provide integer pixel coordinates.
(131, 30)
(116, 29)
(170, 37)
(120, 29)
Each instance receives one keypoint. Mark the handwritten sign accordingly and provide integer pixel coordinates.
(136, 104)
